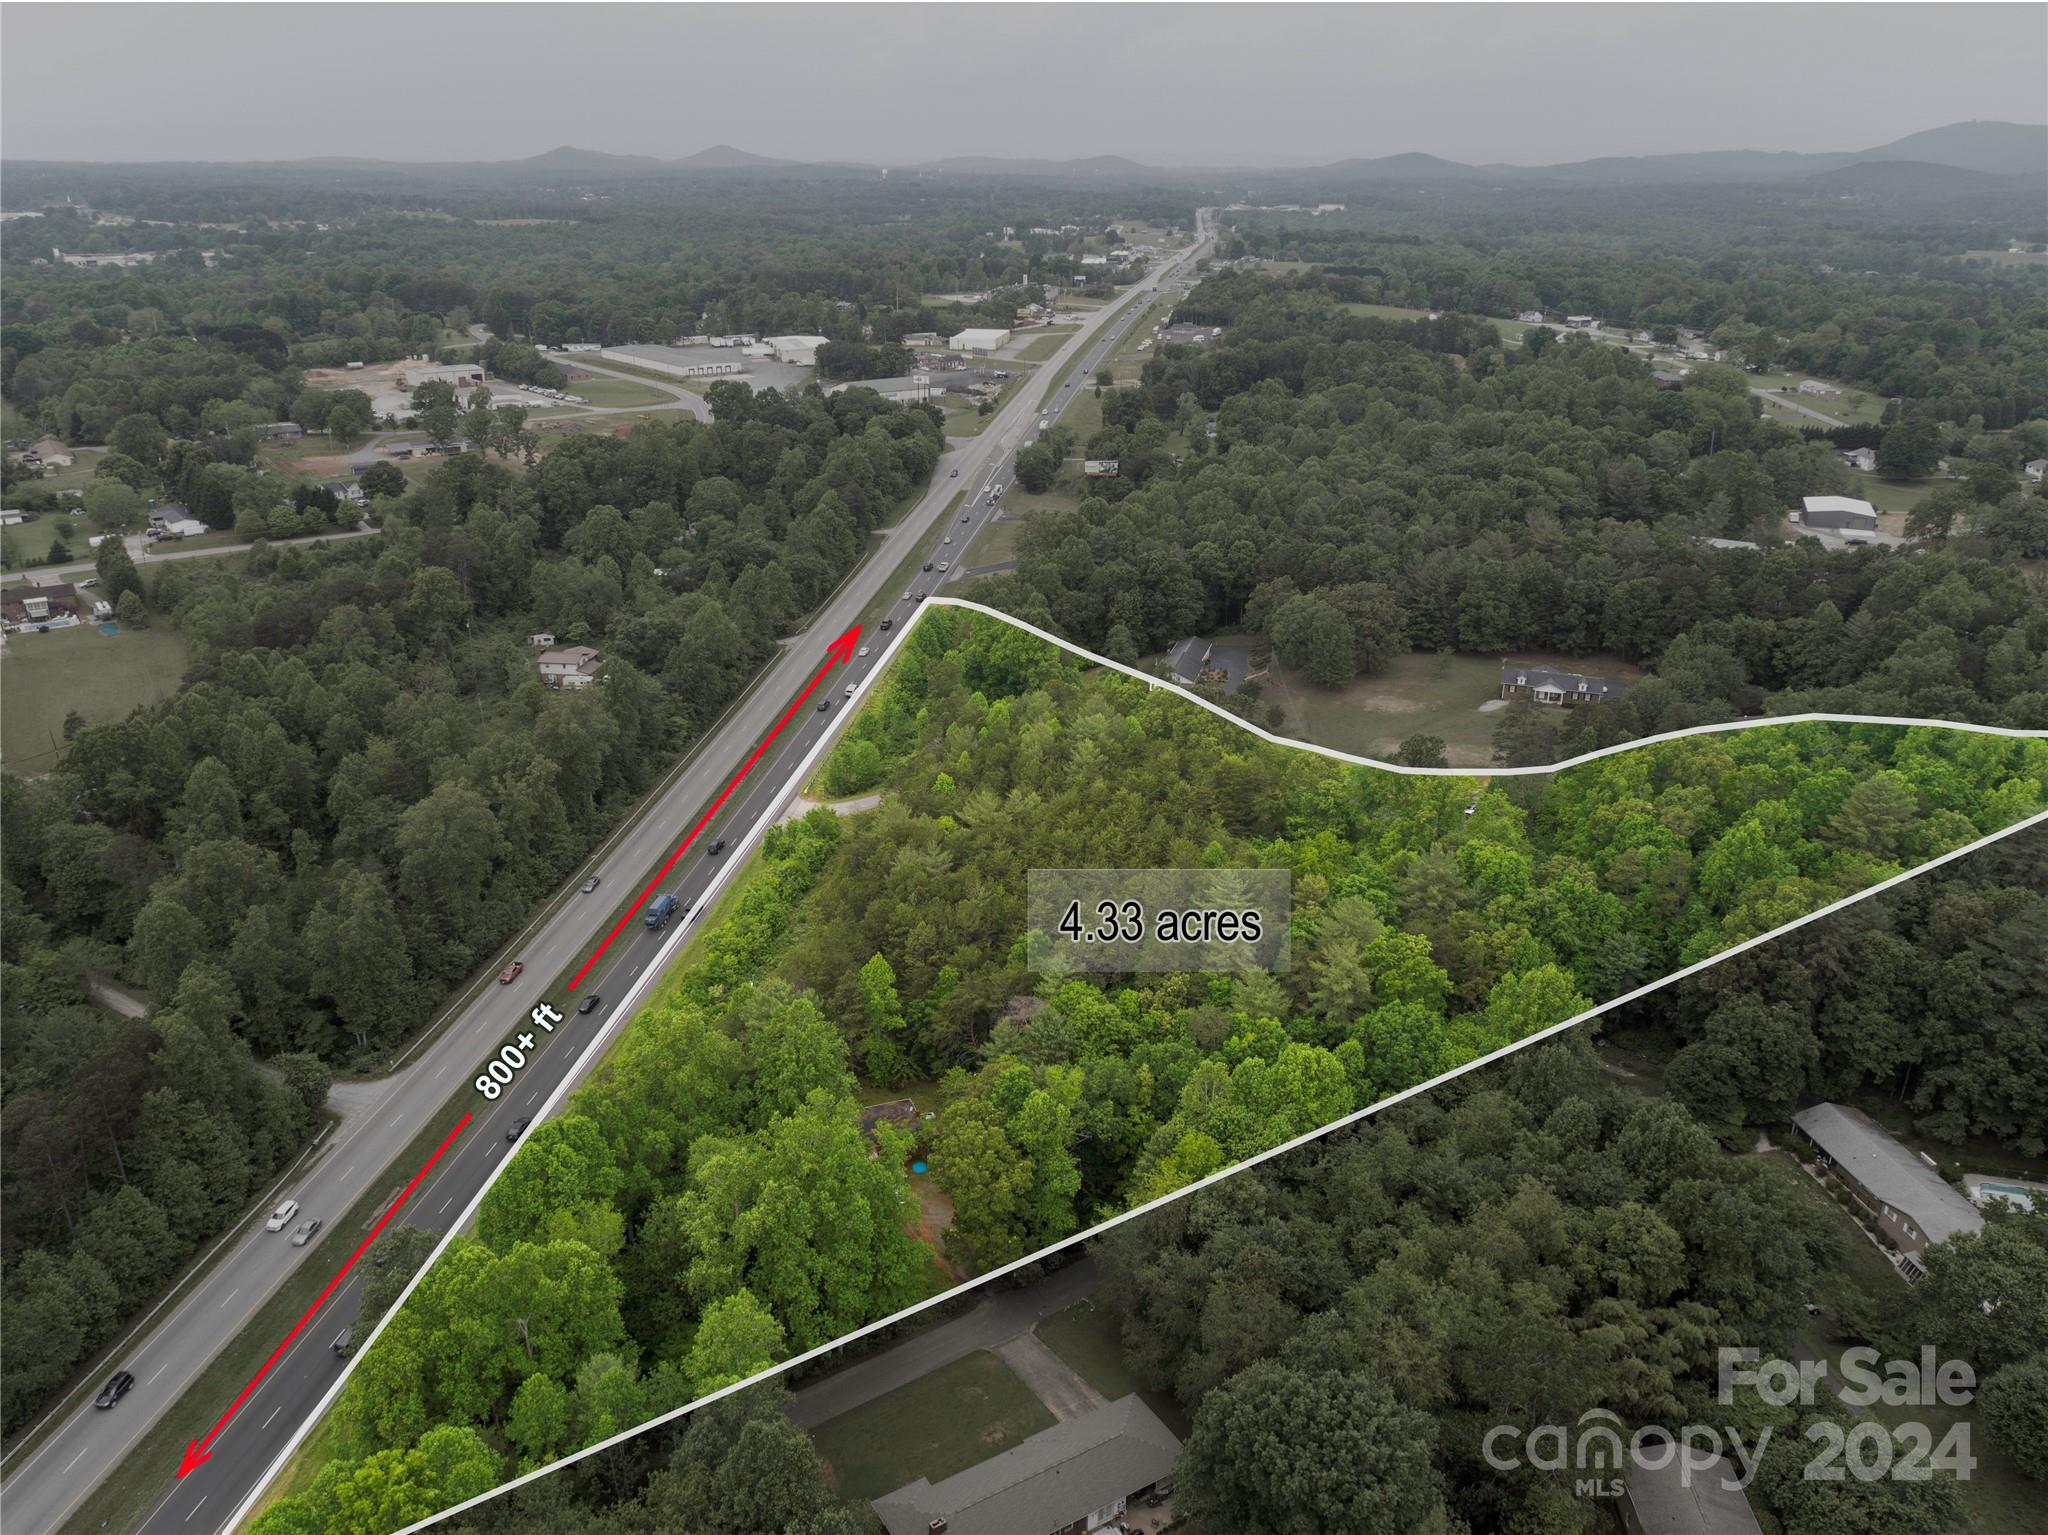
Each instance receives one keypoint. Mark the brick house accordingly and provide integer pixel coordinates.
(1559, 689)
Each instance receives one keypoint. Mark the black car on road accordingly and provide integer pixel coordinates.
(117, 1386)
(590, 1004)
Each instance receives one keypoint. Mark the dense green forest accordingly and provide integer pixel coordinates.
(708, 1205)
(1376, 486)
(362, 789)
(1520, 1245)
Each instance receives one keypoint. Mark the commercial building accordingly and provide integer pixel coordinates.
(802, 351)
(1580, 321)
(979, 339)
(1838, 512)
(1903, 1195)
(574, 666)
(1076, 1476)
(1559, 689)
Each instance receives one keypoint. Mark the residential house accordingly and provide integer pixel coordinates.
(272, 431)
(1677, 1496)
(345, 490)
(40, 604)
(1841, 512)
(1910, 1203)
(12, 519)
(2036, 468)
(1580, 322)
(574, 666)
(1860, 458)
(1814, 386)
(49, 452)
(1530, 317)
(1186, 660)
(1560, 689)
(1665, 378)
(1077, 1476)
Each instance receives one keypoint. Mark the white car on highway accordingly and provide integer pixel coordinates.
(281, 1217)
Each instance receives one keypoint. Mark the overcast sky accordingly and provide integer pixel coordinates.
(1528, 84)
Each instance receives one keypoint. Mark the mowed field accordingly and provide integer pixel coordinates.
(43, 677)
(1455, 697)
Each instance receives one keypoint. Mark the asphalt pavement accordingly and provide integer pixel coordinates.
(43, 1489)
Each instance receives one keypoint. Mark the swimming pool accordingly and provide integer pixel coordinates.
(2023, 1198)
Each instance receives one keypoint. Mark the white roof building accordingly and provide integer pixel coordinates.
(799, 350)
(979, 339)
(574, 666)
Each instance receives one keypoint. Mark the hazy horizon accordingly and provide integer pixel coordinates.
(891, 84)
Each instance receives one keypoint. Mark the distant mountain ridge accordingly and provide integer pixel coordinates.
(1987, 148)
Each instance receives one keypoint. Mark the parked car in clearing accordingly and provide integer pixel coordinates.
(118, 1385)
(511, 972)
(305, 1232)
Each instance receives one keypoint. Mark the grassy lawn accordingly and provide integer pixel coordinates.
(1418, 694)
(1045, 342)
(1085, 1336)
(101, 676)
(1892, 498)
(27, 544)
(1853, 405)
(618, 391)
(955, 1417)
(995, 543)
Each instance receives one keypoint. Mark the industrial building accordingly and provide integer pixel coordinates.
(800, 351)
(1838, 512)
(979, 339)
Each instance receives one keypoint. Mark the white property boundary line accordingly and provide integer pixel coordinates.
(800, 775)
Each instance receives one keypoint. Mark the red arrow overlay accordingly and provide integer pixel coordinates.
(199, 1451)
(838, 653)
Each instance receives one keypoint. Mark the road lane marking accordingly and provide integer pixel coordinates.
(74, 1461)
(159, 1370)
(237, 1290)
(445, 1204)
(348, 1169)
(197, 1506)
(273, 1414)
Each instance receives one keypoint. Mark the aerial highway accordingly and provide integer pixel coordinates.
(44, 1486)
